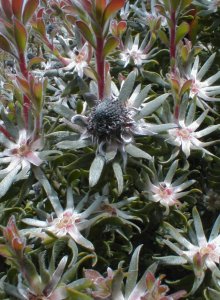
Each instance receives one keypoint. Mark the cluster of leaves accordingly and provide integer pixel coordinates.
(109, 125)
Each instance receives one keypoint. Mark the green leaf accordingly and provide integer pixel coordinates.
(29, 9)
(74, 144)
(20, 35)
(163, 37)
(119, 176)
(136, 152)
(76, 295)
(112, 8)
(110, 45)
(86, 32)
(5, 252)
(141, 96)
(212, 294)
(156, 78)
(41, 27)
(17, 8)
(6, 183)
(117, 285)
(181, 31)
(96, 170)
(132, 272)
(6, 6)
(63, 111)
(51, 193)
(31, 275)
(127, 87)
(34, 61)
(6, 45)
(151, 106)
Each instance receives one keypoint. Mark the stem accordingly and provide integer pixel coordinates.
(27, 103)
(173, 56)
(6, 133)
(172, 41)
(100, 66)
(176, 112)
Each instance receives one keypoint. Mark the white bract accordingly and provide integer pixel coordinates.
(147, 288)
(114, 122)
(203, 90)
(78, 60)
(66, 222)
(166, 191)
(20, 152)
(201, 253)
(133, 52)
(186, 137)
(210, 6)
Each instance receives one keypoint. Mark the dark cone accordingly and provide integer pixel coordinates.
(108, 120)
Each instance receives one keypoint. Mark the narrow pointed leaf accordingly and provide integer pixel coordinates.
(96, 170)
(55, 277)
(73, 144)
(20, 35)
(110, 45)
(17, 8)
(86, 32)
(6, 45)
(6, 6)
(119, 176)
(5, 252)
(181, 31)
(204, 69)
(29, 9)
(152, 106)
(141, 96)
(127, 87)
(132, 272)
(136, 152)
(76, 295)
(51, 193)
(112, 8)
(156, 78)
(8, 180)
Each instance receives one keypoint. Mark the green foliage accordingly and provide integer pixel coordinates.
(109, 159)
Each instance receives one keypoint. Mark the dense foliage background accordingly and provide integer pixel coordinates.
(109, 133)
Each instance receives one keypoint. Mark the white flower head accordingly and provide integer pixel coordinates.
(78, 60)
(113, 123)
(201, 253)
(20, 153)
(186, 136)
(203, 90)
(209, 6)
(66, 222)
(166, 191)
(133, 52)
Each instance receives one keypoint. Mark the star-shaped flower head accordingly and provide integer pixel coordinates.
(208, 6)
(66, 222)
(101, 286)
(20, 153)
(111, 209)
(79, 59)
(203, 91)
(199, 252)
(148, 17)
(113, 123)
(147, 288)
(134, 53)
(186, 137)
(51, 290)
(165, 190)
